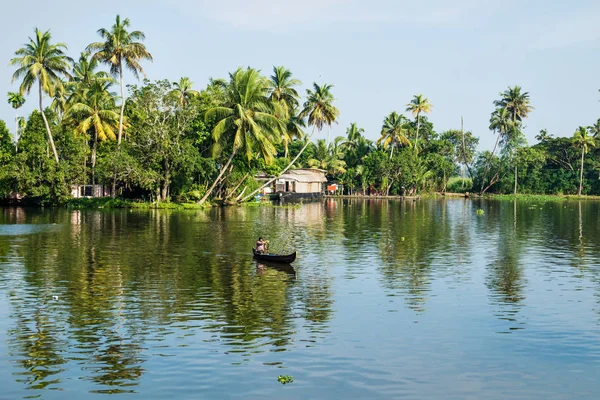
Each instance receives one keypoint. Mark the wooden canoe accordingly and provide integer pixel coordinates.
(275, 258)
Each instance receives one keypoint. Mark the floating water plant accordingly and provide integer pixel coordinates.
(480, 211)
(285, 379)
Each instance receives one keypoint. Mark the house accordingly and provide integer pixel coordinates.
(301, 183)
(86, 191)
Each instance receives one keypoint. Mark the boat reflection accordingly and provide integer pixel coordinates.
(261, 266)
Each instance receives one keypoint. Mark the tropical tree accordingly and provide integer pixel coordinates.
(42, 62)
(353, 135)
(585, 141)
(518, 104)
(96, 114)
(320, 111)
(121, 47)
(183, 91)
(246, 123)
(328, 157)
(595, 129)
(85, 74)
(394, 132)
(501, 123)
(418, 105)
(282, 91)
(16, 100)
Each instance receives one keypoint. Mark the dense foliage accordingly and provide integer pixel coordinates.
(163, 141)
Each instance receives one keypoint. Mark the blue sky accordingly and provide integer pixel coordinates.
(460, 54)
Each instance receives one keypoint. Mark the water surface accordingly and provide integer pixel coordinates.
(386, 300)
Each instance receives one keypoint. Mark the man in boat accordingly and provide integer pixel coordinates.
(262, 246)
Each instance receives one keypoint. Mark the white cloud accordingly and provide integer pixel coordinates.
(310, 14)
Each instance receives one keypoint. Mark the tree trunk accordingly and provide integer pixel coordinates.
(516, 169)
(236, 186)
(223, 169)
(284, 170)
(122, 103)
(481, 191)
(417, 135)
(94, 146)
(16, 129)
(392, 150)
(581, 172)
(50, 139)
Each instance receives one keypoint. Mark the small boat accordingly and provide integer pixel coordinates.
(276, 258)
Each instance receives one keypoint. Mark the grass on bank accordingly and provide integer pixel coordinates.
(109, 202)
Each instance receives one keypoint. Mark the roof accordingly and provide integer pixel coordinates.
(305, 175)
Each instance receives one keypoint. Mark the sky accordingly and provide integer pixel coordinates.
(377, 54)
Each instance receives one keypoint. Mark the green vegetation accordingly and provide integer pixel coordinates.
(285, 379)
(166, 142)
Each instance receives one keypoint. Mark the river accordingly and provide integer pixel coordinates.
(388, 299)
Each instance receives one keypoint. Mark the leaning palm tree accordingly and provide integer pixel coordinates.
(16, 100)
(121, 47)
(394, 132)
(184, 92)
(42, 62)
(417, 106)
(585, 141)
(320, 111)
(246, 123)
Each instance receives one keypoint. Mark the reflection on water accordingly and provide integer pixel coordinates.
(162, 303)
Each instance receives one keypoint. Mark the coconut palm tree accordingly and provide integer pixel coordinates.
(595, 129)
(394, 132)
(353, 135)
(417, 106)
(585, 141)
(329, 157)
(516, 102)
(16, 100)
(42, 62)
(184, 92)
(85, 74)
(543, 136)
(282, 91)
(121, 47)
(501, 123)
(320, 111)
(246, 123)
(95, 114)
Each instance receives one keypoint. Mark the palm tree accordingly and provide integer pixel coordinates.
(585, 141)
(418, 105)
(320, 111)
(184, 92)
(518, 104)
(246, 123)
(394, 132)
(96, 113)
(543, 136)
(282, 91)
(328, 157)
(85, 74)
(42, 62)
(16, 100)
(121, 47)
(353, 134)
(595, 129)
(500, 122)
